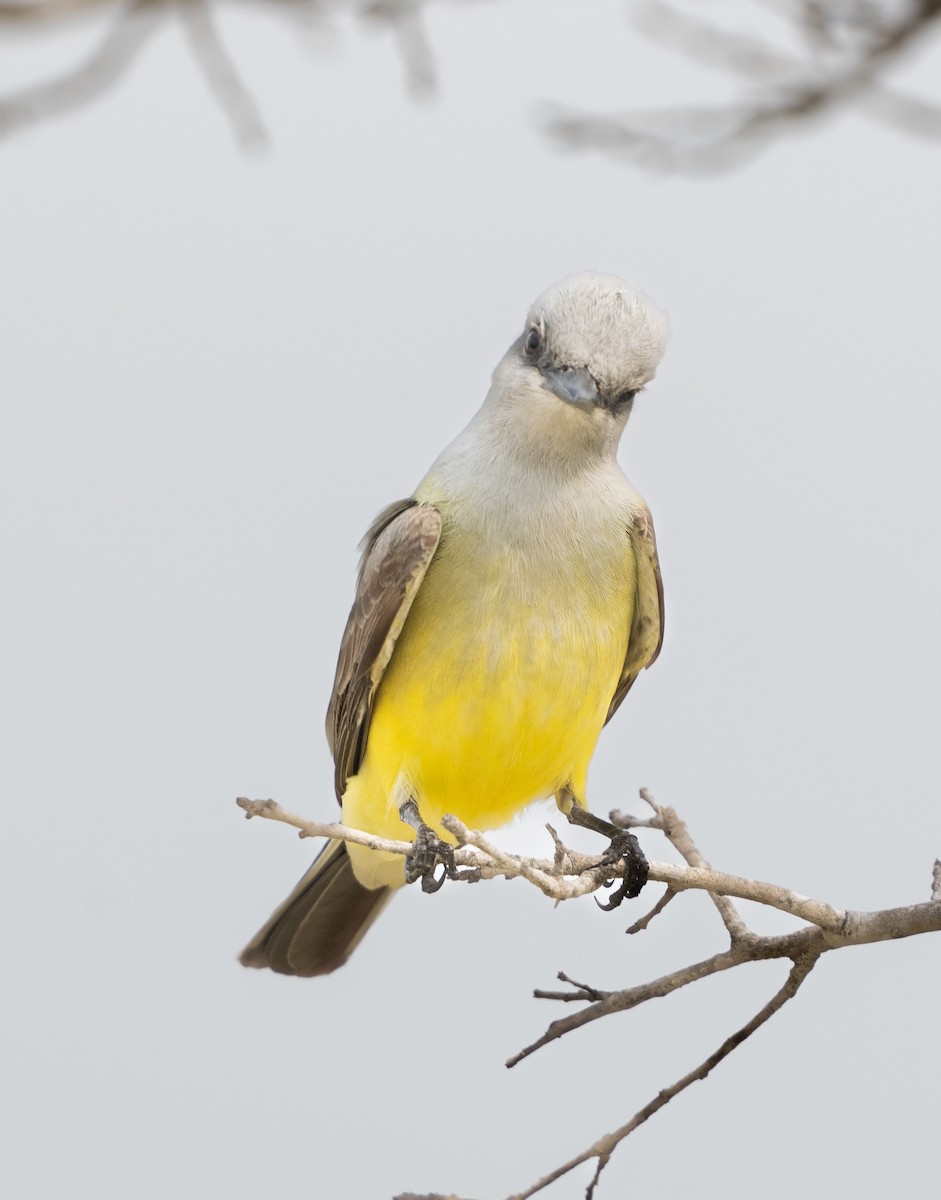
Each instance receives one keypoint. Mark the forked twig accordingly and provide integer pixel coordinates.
(604, 1147)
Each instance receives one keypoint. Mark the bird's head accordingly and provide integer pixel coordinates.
(593, 341)
(590, 343)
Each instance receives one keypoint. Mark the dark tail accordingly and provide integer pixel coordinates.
(322, 921)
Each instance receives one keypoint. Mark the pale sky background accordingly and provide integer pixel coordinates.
(215, 369)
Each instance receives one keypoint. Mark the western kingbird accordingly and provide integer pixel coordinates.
(501, 615)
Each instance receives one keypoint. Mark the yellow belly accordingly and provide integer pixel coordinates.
(494, 697)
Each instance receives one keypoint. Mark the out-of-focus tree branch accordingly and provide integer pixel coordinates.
(220, 72)
(811, 58)
(90, 78)
(822, 57)
(133, 21)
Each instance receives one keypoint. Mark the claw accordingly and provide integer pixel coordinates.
(430, 883)
(624, 848)
(429, 853)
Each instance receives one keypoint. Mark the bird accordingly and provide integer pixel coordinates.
(502, 613)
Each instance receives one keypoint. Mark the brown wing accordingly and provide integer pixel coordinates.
(646, 636)
(397, 549)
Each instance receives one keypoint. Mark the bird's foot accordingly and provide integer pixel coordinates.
(624, 848)
(429, 853)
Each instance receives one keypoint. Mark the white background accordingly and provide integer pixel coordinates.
(214, 370)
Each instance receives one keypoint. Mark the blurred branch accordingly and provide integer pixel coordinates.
(25, 12)
(405, 19)
(90, 79)
(569, 874)
(814, 57)
(839, 52)
(133, 21)
(221, 74)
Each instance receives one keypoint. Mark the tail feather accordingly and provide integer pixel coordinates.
(322, 921)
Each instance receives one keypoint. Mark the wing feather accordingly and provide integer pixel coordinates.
(397, 549)
(646, 635)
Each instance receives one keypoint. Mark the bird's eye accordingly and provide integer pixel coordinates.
(533, 342)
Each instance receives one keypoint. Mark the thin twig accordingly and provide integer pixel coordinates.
(583, 991)
(405, 18)
(602, 1149)
(677, 833)
(30, 12)
(272, 811)
(640, 925)
(111, 59)
(625, 999)
(221, 74)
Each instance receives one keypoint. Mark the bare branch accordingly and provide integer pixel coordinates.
(426, 1196)
(273, 811)
(405, 18)
(603, 1148)
(92, 78)
(583, 991)
(640, 925)
(221, 75)
(826, 57)
(847, 49)
(568, 874)
(112, 59)
(31, 12)
(908, 113)
(621, 1001)
(674, 827)
(571, 874)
